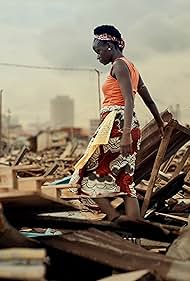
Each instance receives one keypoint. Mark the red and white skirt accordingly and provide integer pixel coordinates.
(107, 171)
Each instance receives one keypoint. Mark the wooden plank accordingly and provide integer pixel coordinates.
(52, 169)
(177, 218)
(186, 188)
(66, 186)
(183, 129)
(180, 248)
(79, 215)
(49, 191)
(10, 237)
(144, 165)
(139, 228)
(167, 191)
(28, 184)
(181, 163)
(63, 190)
(25, 167)
(32, 202)
(158, 161)
(131, 276)
(164, 176)
(32, 183)
(150, 143)
(22, 272)
(164, 169)
(22, 253)
(187, 178)
(106, 249)
(21, 155)
(6, 177)
(149, 244)
(67, 151)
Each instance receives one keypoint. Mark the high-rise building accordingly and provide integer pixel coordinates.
(62, 112)
(94, 125)
(176, 111)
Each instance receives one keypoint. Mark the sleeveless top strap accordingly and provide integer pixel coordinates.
(134, 74)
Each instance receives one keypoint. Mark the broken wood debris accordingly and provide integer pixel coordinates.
(155, 247)
(22, 264)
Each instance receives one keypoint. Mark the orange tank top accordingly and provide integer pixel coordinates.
(111, 90)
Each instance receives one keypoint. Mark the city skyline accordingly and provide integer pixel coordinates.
(62, 112)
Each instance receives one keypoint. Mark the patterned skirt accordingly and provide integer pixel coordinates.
(108, 171)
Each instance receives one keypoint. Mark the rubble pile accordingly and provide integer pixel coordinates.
(65, 157)
(38, 213)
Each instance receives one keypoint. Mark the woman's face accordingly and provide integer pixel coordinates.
(103, 54)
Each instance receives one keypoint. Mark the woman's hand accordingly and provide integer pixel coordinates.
(126, 144)
(161, 127)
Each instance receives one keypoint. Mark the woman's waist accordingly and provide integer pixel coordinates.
(113, 100)
(109, 108)
(105, 110)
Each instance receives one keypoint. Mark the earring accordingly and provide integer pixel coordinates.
(109, 49)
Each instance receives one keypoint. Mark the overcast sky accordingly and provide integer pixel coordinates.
(60, 32)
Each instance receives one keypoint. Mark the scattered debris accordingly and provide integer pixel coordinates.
(155, 247)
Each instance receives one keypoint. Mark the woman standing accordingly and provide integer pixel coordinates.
(108, 165)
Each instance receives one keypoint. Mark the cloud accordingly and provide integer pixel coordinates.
(165, 35)
(60, 33)
(151, 27)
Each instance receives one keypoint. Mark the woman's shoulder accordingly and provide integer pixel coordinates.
(126, 60)
(123, 62)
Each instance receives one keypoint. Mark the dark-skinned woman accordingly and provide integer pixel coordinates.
(108, 165)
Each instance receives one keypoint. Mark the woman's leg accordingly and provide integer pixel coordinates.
(107, 208)
(132, 209)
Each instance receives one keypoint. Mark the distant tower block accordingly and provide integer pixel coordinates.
(172, 110)
(178, 112)
(62, 112)
(94, 125)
